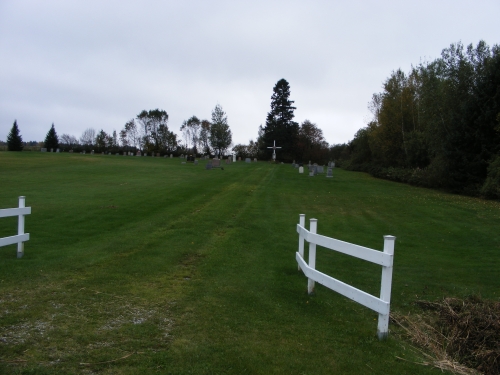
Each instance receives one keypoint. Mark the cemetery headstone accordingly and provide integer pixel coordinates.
(57, 150)
(51, 150)
(215, 163)
(239, 158)
(247, 160)
(182, 156)
(329, 172)
(208, 166)
(301, 169)
(255, 160)
(234, 157)
(171, 156)
(319, 169)
(190, 158)
(138, 153)
(196, 162)
(84, 152)
(158, 154)
(43, 150)
(71, 151)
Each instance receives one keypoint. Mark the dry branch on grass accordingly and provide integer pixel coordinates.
(462, 336)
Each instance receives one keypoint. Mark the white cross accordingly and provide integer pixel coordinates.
(274, 150)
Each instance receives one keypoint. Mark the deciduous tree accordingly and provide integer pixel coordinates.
(220, 135)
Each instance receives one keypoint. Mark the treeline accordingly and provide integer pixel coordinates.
(437, 126)
(147, 132)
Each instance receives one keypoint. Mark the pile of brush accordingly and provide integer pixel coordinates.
(462, 336)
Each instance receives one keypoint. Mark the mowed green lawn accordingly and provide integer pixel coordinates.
(146, 265)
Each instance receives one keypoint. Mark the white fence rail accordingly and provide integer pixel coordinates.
(385, 259)
(21, 236)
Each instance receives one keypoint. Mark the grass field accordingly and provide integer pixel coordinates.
(146, 265)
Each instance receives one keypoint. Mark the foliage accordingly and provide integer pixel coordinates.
(14, 139)
(88, 137)
(51, 139)
(220, 135)
(280, 126)
(68, 140)
(191, 129)
(441, 117)
(311, 145)
(154, 133)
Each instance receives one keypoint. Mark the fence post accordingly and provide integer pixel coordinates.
(20, 228)
(313, 226)
(302, 222)
(385, 288)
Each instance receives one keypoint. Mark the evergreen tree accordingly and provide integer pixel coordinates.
(14, 139)
(51, 139)
(280, 126)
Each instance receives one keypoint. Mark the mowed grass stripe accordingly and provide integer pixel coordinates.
(195, 269)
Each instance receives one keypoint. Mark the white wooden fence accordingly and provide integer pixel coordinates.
(21, 236)
(385, 259)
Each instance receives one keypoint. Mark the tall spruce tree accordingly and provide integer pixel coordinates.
(51, 139)
(14, 139)
(280, 126)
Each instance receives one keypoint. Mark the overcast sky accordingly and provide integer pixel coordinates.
(81, 64)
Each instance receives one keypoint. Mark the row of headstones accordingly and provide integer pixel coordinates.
(51, 150)
(314, 169)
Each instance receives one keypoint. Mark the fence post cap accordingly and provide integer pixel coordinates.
(389, 238)
(313, 219)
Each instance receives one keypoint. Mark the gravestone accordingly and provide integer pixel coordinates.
(117, 153)
(182, 156)
(215, 163)
(247, 160)
(57, 150)
(43, 150)
(228, 161)
(164, 156)
(301, 169)
(255, 160)
(319, 169)
(158, 154)
(190, 158)
(196, 162)
(138, 153)
(102, 153)
(239, 158)
(234, 157)
(208, 166)
(333, 164)
(91, 152)
(311, 173)
(70, 151)
(51, 150)
(183, 162)
(329, 172)
(84, 152)
(171, 156)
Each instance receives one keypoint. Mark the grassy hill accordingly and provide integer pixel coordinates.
(146, 265)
